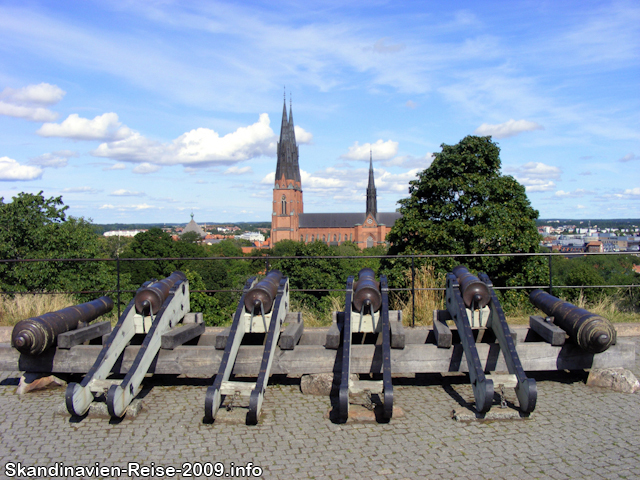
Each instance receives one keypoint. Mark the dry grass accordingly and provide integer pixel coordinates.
(23, 306)
(426, 300)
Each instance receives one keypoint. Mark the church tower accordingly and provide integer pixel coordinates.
(372, 201)
(287, 191)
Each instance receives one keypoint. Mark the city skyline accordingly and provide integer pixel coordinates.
(139, 112)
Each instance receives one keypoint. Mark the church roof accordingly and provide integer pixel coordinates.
(192, 226)
(287, 165)
(343, 220)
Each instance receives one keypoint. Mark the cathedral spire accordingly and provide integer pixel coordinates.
(372, 202)
(287, 166)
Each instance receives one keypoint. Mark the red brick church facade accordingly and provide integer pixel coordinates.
(289, 222)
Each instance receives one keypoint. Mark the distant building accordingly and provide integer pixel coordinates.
(251, 236)
(289, 222)
(192, 226)
(122, 233)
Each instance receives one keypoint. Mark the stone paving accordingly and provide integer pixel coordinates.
(575, 432)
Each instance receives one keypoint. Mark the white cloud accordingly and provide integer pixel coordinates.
(35, 114)
(575, 194)
(126, 193)
(126, 208)
(380, 150)
(381, 47)
(507, 129)
(409, 161)
(102, 127)
(116, 166)
(628, 157)
(11, 170)
(302, 136)
(80, 190)
(411, 104)
(237, 170)
(27, 102)
(537, 176)
(198, 147)
(41, 94)
(632, 192)
(580, 207)
(57, 159)
(145, 168)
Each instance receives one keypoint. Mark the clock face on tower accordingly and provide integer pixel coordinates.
(369, 221)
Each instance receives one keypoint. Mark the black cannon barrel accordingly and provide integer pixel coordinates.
(474, 291)
(366, 291)
(150, 299)
(264, 292)
(35, 335)
(592, 333)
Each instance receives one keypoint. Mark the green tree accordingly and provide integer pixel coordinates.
(463, 204)
(35, 227)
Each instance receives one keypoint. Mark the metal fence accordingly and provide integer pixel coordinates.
(268, 259)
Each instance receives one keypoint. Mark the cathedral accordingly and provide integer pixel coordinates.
(289, 222)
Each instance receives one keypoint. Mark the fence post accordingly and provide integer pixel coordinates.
(413, 292)
(118, 280)
(550, 277)
(267, 265)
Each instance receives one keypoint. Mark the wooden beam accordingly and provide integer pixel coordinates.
(550, 332)
(81, 335)
(203, 361)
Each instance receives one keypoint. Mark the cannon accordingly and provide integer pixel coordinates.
(366, 311)
(262, 309)
(474, 292)
(479, 293)
(149, 299)
(591, 332)
(168, 300)
(366, 291)
(260, 297)
(35, 335)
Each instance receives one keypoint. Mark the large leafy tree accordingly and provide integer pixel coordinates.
(463, 204)
(35, 227)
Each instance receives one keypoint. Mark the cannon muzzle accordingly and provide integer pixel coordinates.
(150, 299)
(35, 335)
(592, 333)
(475, 293)
(366, 291)
(263, 293)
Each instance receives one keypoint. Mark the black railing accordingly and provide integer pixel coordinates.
(267, 259)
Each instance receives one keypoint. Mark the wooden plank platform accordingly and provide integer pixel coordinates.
(310, 356)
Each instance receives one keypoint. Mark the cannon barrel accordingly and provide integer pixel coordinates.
(366, 291)
(150, 299)
(35, 335)
(264, 292)
(592, 333)
(473, 290)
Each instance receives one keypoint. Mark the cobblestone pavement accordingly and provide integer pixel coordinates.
(575, 432)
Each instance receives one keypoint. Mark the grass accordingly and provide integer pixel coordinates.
(22, 306)
(426, 301)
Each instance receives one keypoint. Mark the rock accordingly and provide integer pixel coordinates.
(320, 383)
(616, 379)
(38, 381)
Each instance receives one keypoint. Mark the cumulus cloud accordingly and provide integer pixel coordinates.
(507, 129)
(126, 208)
(380, 150)
(409, 161)
(29, 102)
(199, 147)
(115, 166)
(237, 170)
(11, 171)
(126, 193)
(103, 127)
(146, 167)
(57, 159)
(537, 176)
(628, 157)
(302, 136)
(41, 94)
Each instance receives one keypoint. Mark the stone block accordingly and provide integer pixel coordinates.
(38, 381)
(616, 379)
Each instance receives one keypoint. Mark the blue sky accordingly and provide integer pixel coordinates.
(143, 111)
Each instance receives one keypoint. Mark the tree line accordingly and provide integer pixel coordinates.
(460, 204)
